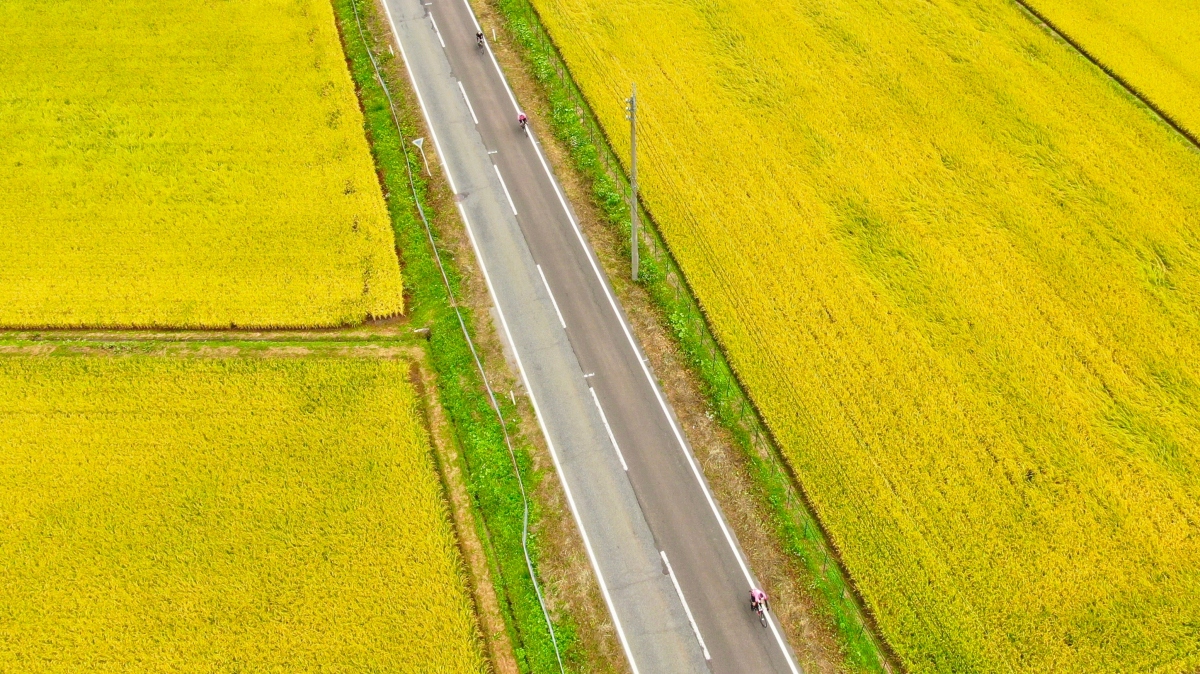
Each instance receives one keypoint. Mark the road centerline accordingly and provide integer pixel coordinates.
(506, 193)
(468, 100)
(551, 294)
(683, 600)
(620, 456)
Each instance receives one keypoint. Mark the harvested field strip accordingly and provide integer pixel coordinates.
(896, 217)
(1153, 45)
(185, 164)
(201, 513)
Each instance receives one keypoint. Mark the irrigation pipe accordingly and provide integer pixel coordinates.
(466, 335)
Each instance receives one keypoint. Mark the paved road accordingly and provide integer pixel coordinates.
(674, 579)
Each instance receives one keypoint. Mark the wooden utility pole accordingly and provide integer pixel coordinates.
(633, 200)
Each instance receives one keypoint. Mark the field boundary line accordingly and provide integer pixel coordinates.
(1131, 88)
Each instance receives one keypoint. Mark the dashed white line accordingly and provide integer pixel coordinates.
(688, 611)
(587, 543)
(435, 30)
(537, 412)
(641, 359)
(505, 187)
(468, 100)
(612, 438)
(552, 301)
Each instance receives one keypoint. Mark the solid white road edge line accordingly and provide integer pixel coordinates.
(551, 294)
(478, 29)
(621, 456)
(505, 188)
(468, 100)
(645, 370)
(641, 359)
(435, 30)
(416, 90)
(587, 544)
(662, 403)
(537, 412)
(688, 611)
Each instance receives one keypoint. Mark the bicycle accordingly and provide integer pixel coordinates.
(758, 604)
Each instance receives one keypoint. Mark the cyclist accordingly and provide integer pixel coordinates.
(479, 38)
(758, 600)
(522, 119)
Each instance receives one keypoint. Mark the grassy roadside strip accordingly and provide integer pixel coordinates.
(492, 486)
(792, 520)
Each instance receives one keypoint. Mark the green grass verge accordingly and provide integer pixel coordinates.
(792, 522)
(490, 480)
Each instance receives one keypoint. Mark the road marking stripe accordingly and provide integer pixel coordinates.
(551, 294)
(663, 404)
(511, 96)
(654, 387)
(420, 100)
(587, 543)
(435, 30)
(688, 611)
(468, 100)
(506, 194)
(612, 438)
(537, 412)
(641, 359)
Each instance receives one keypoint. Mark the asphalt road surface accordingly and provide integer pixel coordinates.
(674, 579)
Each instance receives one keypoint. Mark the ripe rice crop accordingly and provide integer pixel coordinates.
(178, 163)
(195, 514)
(958, 269)
(1154, 45)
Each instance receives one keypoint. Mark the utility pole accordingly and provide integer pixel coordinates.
(633, 200)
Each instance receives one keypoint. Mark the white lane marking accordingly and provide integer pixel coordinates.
(507, 88)
(435, 30)
(506, 194)
(537, 412)
(737, 555)
(417, 90)
(612, 438)
(688, 611)
(468, 100)
(552, 301)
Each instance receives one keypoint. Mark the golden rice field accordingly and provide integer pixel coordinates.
(959, 270)
(184, 163)
(223, 514)
(1152, 44)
